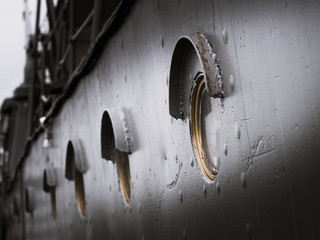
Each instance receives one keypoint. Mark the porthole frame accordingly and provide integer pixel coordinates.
(76, 166)
(195, 67)
(116, 145)
(49, 186)
(208, 171)
(80, 192)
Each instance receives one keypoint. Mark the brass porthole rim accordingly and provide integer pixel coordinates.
(80, 192)
(195, 125)
(124, 183)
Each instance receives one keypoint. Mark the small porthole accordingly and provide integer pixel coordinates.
(116, 144)
(53, 203)
(80, 194)
(123, 167)
(209, 162)
(76, 165)
(49, 186)
(30, 204)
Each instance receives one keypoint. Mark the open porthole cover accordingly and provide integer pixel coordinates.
(115, 133)
(49, 179)
(75, 158)
(210, 68)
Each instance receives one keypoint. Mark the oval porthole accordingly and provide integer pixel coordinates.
(75, 167)
(80, 194)
(123, 167)
(49, 186)
(53, 203)
(195, 67)
(30, 204)
(209, 161)
(116, 144)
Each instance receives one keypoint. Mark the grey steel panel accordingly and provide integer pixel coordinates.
(267, 186)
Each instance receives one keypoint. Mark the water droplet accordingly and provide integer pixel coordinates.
(249, 230)
(225, 149)
(225, 35)
(216, 163)
(204, 190)
(192, 161)
(244, 179)
(180, 196)
(237, 130)
(218, 188)
(167, 79)
(184, 234)
(231, 82)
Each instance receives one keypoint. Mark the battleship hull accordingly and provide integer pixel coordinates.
(185, 120)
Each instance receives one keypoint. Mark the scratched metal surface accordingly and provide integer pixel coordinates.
(267, 186)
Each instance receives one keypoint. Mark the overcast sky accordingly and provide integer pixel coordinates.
(12, 43)
(12, 53)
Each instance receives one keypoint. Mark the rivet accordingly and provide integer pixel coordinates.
(180, 196)
(204, 190)
(237, 130)
(218, 187)
(216, 162)
(231, 82)
(225, 149)
(244, 179)
(192, 161)
(225, 36)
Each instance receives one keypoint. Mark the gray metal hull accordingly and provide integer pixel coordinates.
(267, 186)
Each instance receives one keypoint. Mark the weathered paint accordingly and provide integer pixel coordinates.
(267, 186)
